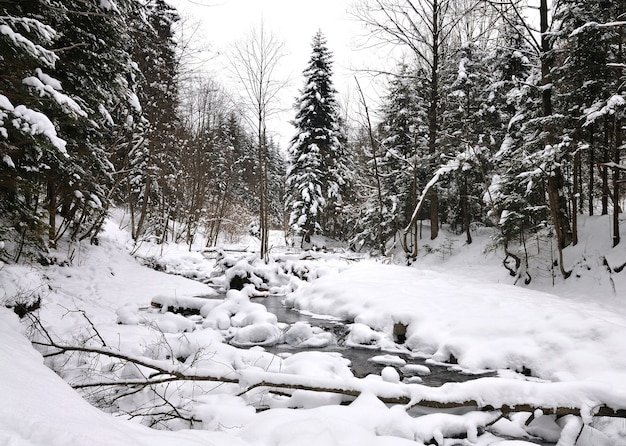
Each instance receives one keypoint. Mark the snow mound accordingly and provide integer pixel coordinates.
(163, 322)
(302, 334)
(481, 326)
(258, 334)
(250, 323)
(178, 304)
(388, 360)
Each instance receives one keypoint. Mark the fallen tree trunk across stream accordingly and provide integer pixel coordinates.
(581, 399)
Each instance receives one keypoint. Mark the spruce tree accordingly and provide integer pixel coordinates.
(516, 197)
(400, 160)
(403, 132)
(317, 164)
(29, 140)
(63, 68)
(157, 91)
(471, 129)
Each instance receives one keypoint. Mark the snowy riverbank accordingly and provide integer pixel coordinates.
(470, 320)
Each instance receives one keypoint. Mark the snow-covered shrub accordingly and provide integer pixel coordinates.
(22, 289)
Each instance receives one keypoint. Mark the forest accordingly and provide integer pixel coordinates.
(505, 114)
(432, 257)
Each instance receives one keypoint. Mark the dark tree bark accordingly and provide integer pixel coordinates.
(604, 169)
(575, 196)
(52, 212)
(616, 180)
(591, 168)
(556, 200)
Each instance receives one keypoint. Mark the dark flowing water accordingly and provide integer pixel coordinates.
(359, 357)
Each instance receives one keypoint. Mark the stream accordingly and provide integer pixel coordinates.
(360, 358)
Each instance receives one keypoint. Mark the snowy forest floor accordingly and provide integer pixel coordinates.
(559, 344)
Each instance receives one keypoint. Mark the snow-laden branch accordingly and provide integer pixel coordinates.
(30, 121)
(23, 43)
(582, 399)
(447, 168)
(596, 25)
(612, 165)
(175, 372)
(614, 104)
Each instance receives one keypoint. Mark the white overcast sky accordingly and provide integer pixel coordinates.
(222, 22)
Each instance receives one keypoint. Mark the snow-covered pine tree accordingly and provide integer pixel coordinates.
(28, 138)
(317, 164)
(57, 96)
(516, 197)
(587, 90)
(472, 129)
(155, 161)
(92, 35)
(535, 131)
(400, 158)
(403, 133)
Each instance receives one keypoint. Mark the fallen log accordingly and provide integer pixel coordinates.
(484, 394)
(581, 399)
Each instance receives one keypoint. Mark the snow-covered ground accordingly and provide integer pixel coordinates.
(456, 308)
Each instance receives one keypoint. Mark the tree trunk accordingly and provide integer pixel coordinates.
(605, 170)
(263, 199)
(52, 212)
(591, 169)
(575, 195)
(421, 396)
(617, 140)
(432, 118)
(556, 200)
(466, 212)
(144, 207)
(434, 213)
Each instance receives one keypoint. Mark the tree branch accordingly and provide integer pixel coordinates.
(504, 395)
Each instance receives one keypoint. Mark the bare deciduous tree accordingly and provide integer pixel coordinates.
(254, 62)
(427, 28)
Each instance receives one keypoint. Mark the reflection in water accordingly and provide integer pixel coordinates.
(361, 364)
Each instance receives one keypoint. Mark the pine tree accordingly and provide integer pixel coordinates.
(59, 96)
(516, 195)
(93, 36)
(29, 141)
(588, 93)
(317, 163)
(146, 124)
(471, 130)
(400, 161)
(403, 132)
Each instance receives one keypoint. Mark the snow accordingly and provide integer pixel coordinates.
(133, 100)
(483, 325)
(6, 159)
(5, 103)
(47, 33)
(389, 360)
(108, 5)
(613, 104)
(36, 123)
(47, 85)
(40, 409)
(571, 344)
(302, 334)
